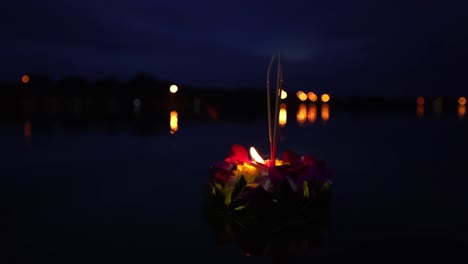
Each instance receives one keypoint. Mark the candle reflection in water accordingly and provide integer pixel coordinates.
(283, 115)
(174, 122)
(312, 113)
(301, 114)
(325, 112)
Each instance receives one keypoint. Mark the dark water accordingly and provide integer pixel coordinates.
(400, 193)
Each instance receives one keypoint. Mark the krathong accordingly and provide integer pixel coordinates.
(255, 190)
(265, 194)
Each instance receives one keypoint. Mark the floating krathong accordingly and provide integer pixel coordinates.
(268, 194)
(255, 189)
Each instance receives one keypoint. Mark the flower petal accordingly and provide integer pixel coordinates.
(238, 153)
(291, 157)
(277, 173)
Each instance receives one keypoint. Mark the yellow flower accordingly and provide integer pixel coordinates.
(280, 163)
(248, 171)
(227, 191)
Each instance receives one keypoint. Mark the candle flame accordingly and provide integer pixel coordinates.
(255, 156)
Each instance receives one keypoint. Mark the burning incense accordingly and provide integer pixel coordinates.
(270, 134)
(277, 104)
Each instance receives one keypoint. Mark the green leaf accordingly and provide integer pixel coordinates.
(239, 203)
(238, 208)
(305, 187)
(325, 187)
(239, 186)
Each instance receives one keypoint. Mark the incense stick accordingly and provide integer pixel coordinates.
(270, 136)
(277, 103)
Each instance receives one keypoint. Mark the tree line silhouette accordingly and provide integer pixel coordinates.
(148, 98)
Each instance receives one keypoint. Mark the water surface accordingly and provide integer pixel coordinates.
(400, 190)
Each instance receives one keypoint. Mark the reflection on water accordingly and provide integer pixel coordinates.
(301, 114)
(312, 113)
(174, 122)
(101, 208)
(137, 106)
(279, 247)
(461, 107)
(325, 112)
(283, 115)
(461, 111)
(437, 105)
(27, 127)
(420, 110)
(212, 112)
(420, 106)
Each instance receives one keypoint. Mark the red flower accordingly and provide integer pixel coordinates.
(291, 157)
(306, 168)
(238, 154)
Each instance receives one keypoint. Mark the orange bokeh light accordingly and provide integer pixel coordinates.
(312, 96)
(283, 115)
(25, 78)
(325, 112)
(420, 100)
(461, 111)
(174, 122)
(284, 94)
(420, 110)
(325, 98)
(462, 101)
(312, 113)
(302, 96)
(301, 114)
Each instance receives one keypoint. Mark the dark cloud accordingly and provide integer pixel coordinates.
(345, 46)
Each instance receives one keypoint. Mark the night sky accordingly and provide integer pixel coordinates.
(370, 47)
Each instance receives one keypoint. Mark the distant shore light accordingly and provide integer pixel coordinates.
(325, 98)
(462, 101)
(284, 94)
(420, 100)
(173, 88)
(301, 95)
(25, 78)
(312, 96)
